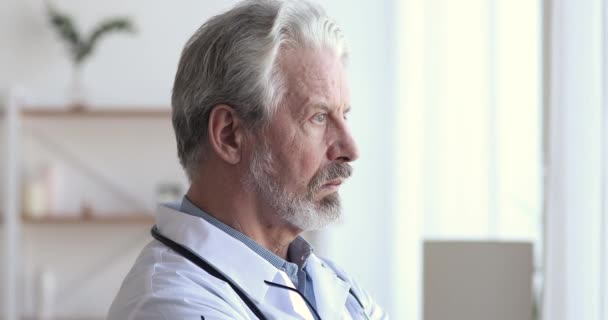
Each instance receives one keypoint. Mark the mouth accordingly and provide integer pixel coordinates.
(335, 183)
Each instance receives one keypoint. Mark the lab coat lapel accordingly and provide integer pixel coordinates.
(233, 258)
(289, 301)
(330, 290)
(230, 256)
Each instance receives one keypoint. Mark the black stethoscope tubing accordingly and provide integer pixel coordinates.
(201, 263)
(209, 268)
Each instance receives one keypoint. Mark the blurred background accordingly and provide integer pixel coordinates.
(480, 192)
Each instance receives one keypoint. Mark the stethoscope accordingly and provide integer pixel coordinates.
(209, 268)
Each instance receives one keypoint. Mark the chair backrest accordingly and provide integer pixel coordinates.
(473, 280)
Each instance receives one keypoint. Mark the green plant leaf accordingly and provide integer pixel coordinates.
(105, 27)
(65, 28)
(80, 48)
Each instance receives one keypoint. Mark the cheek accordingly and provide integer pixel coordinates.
(300, 155)
(309, 164)
(300, 165)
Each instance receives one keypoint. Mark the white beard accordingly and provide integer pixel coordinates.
(299, 211)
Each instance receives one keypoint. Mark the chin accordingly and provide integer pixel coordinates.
(309, 216)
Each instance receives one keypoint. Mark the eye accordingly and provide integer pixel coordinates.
(345, 115)
(320, 118)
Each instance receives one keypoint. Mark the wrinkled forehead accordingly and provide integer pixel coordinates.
(314, 76)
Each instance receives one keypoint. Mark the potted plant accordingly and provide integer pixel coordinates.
(80, 47)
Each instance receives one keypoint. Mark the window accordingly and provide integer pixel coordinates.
(471, 149)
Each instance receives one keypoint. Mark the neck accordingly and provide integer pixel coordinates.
(243, 211)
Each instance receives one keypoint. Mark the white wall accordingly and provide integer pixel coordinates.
(138, 71)
(576, 255)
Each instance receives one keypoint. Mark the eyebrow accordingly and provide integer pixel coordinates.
(327, 108)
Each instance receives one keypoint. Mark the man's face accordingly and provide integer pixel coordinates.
(301, 159)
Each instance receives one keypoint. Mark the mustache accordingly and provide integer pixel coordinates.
(333, 171)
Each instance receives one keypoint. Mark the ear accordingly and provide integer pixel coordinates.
(225, 133)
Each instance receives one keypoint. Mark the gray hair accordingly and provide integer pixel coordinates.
(232, 59)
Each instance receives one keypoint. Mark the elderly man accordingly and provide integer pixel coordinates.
(260, 103)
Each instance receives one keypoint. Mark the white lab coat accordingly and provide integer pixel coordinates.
(164, 285)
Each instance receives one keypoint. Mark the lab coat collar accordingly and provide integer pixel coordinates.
(231, 256)
(223, 251)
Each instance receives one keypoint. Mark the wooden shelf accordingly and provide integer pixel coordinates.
(105, 219)
(95, 112)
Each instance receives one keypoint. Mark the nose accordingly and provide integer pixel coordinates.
(344, 148)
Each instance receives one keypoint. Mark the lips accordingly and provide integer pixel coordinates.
(333, 183)
(330, 177)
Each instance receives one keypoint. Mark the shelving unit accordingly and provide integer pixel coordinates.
(102, 218)
(10, 222)
(81, 180)
(25, 112)
(97, 112)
